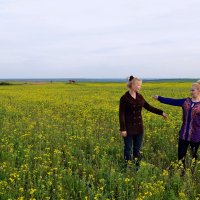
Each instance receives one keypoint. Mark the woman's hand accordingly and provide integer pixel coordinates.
(123, 133)
(155, 97)
(164, 116)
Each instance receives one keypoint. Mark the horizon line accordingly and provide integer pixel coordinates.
(90, 78)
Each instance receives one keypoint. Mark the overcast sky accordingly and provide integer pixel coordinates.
(99, 38)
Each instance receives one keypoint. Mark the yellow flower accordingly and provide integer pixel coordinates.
(182, 195)
(165, 173)
(127, 180)
(32, 190)
(20, 198)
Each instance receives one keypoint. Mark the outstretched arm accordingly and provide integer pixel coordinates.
(152, 109)
(170, 101)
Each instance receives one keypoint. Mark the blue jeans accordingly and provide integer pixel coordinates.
(134, 141)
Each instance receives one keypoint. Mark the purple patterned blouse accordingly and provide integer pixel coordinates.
(190, 129)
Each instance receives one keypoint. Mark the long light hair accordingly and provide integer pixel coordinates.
(197, 84)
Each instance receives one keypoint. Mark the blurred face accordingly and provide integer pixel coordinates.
(136, 86)
(194, 91)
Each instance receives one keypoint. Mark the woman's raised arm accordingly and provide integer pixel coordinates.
(170, 101)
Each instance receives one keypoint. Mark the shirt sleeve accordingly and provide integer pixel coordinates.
(152, 109)
(170, 101)
(122, 107)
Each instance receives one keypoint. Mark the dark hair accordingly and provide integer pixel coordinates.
(131, 78)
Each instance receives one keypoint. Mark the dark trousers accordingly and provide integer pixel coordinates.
(132, 142)
(182, 149)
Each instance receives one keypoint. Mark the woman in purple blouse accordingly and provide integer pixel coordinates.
(190, 130)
